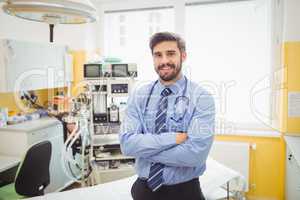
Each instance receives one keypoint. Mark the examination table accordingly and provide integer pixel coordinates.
(214, 183)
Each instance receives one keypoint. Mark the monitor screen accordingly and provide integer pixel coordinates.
(119, 70)
(92, 70)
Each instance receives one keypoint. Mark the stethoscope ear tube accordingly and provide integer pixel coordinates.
(152, 88)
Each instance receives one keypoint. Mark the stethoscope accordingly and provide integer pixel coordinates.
(180, 106)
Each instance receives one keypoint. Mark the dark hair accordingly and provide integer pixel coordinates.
(167, 36)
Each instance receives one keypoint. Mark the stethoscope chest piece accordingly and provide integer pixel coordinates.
(181, 105)
(180, 108)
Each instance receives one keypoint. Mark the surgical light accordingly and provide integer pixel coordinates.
(52, 11)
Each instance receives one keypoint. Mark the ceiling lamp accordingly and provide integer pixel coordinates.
(52, 11)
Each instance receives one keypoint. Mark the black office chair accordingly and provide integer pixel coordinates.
(33, 175)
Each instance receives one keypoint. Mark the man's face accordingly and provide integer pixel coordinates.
(168, 60)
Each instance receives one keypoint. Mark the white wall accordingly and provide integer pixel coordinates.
(291, 20)
(77, 37)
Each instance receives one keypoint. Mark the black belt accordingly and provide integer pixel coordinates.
(168, 186)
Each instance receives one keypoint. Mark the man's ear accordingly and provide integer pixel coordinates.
(183, 56)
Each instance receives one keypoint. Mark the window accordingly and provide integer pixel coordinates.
(230, 53)
(127, 35)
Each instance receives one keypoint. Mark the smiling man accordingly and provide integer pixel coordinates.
(168, 127)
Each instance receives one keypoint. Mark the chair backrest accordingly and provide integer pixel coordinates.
(33, 174)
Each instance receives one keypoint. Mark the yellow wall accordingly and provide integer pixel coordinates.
(79, 58)
(7, 100)
(266, 180)
(292, 75)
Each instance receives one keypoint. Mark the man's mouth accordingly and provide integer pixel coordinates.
(166, 67)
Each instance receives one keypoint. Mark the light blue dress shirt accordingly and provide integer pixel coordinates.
(185, 161)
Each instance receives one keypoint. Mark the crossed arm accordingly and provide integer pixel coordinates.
(171, 148)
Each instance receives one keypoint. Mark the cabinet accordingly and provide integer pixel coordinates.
(292, 168)
(113, 167)
(15, 140)
(32, 66)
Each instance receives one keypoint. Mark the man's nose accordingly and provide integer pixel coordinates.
(164, 59)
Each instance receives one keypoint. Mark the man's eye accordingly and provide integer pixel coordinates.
(171, 53)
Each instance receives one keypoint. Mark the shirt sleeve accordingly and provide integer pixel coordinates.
(133, 141)
(194, 151)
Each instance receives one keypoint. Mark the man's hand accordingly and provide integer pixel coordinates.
(71, 127)
(181, 137)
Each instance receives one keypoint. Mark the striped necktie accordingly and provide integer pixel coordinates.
(155, 179)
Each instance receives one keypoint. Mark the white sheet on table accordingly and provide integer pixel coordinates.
(215, 176)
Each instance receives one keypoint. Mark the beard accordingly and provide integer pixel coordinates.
(172, 75)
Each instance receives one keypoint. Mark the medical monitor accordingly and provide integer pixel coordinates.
(92, 71)
(119, 70)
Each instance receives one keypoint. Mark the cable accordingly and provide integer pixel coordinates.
(32, 99)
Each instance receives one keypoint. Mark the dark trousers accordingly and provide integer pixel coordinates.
(189, 190)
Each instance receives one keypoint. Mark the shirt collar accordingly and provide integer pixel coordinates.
(176, 87)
